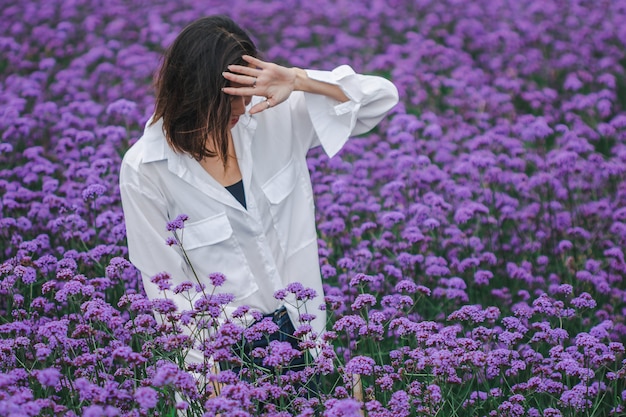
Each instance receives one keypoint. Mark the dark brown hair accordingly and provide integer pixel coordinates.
(189, 95)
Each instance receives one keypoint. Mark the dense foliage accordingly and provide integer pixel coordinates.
(471, 246)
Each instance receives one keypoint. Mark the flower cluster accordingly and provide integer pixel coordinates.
(471, 245)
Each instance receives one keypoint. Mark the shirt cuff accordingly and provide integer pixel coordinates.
(334, 121)
(344, 77)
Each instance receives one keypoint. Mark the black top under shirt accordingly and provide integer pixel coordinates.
(236, 190)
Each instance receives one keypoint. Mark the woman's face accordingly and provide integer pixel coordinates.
(238, 107)
(238, 104)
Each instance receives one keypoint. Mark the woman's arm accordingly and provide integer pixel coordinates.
(276, 83)
(309, 85)
(330, 106)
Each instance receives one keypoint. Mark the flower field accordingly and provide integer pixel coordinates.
(472, 245)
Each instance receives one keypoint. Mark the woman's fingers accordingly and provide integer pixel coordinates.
(244, 80)
(240, 69)
(254, 61)
(261, 106)
(241, 85)
(239, 91)
(261, 78)
(250, 71)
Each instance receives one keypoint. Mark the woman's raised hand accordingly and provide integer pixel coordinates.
(265, 79)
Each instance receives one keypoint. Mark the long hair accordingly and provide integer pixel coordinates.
(189, 96)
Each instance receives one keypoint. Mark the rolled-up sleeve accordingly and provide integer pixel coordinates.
(370, 98)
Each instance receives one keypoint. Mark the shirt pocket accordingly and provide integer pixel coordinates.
(211, 247)
(291, 214)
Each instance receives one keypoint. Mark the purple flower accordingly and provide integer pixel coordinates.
(564, 289)
(306, 317)
(346, 407)
(361, 278)
(615, 253)
(577, 398)
(280, 294)
(49, 377)
(280, 354)
(93, 191)
(360, 365)
(177, 223)
(93, 411)
(564, 246)
(518, 149)
(260, 329)
(182, 287)
(472, 313)
(406, 286)
(166, 373)
(217, 278)
(328, 271)
(146, 397)
(212, 304)
(162, 280)
(510, 409)
(351, 323)
(434, 393)
(424, 290)
(399, 404)
(584, 300)
(431, 224)
(363, 300)
(164, 305)
(27, 274)
(300, 292)
(391, 218)
(121, 107)
(482, 277)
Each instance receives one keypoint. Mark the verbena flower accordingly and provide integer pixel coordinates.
(487, 187)
(178, 223)
(217, 279)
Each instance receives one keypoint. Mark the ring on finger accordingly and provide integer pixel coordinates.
(268, 103)
(254, 83)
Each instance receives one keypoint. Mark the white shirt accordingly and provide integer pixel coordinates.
(273, 242)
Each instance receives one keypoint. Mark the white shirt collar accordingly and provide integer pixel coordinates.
(159, 149)
(184, 167)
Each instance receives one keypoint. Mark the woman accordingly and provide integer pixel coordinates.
(227, 147)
